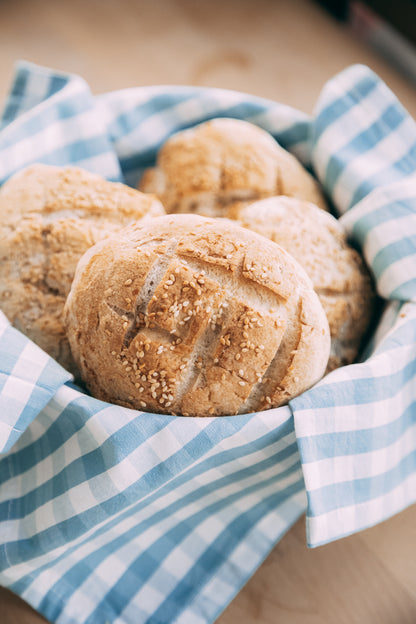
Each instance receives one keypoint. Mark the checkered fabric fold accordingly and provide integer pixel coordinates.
(113, 515)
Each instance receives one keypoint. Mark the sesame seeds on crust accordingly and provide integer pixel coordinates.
(199, 336)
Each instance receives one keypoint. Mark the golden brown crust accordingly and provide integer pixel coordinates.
(50, 217)
(71, 192)
(207, 168)
(318, 242)
(186, 316)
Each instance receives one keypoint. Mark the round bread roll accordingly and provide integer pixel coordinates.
(51, 217)
(71, 192)
(195, 316)
(339, 276)
(207, 168)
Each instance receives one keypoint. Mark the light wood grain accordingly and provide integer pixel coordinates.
(284, 50)
(351, 581)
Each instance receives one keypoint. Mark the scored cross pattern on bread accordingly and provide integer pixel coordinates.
(186, 316)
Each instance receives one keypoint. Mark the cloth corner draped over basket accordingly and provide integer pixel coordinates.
(113, 515)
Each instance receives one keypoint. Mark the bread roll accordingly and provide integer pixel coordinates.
(207, 168)
(50, 217)
(70, 192)
(339, 276)
(195, 316)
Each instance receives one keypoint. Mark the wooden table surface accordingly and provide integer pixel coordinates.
(284, 50)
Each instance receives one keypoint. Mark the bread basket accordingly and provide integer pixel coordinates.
(109, 514)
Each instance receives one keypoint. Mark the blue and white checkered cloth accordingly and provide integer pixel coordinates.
(113, 515)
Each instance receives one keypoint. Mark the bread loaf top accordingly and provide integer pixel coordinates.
(70, 192)
(195, 316)
(207, 168)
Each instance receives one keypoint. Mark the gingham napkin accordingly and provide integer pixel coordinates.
(113, 515)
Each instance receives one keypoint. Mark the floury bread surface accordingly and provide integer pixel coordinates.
(49, 217)
(209, 167)
(195, 316)
(55, 193)
(338, 273)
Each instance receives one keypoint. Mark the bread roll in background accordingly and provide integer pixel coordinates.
(50, 216)
(338, 273)
(207, 168)
(195, 316)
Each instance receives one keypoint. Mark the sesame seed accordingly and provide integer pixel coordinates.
(237, 356)
(128, 282)
(242, 383)
(143, 404)
(241, 372)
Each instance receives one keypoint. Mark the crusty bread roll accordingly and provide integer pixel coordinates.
(71, 192)
(195, 316)
(50, 217)
(207, 168)
(339, 276)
